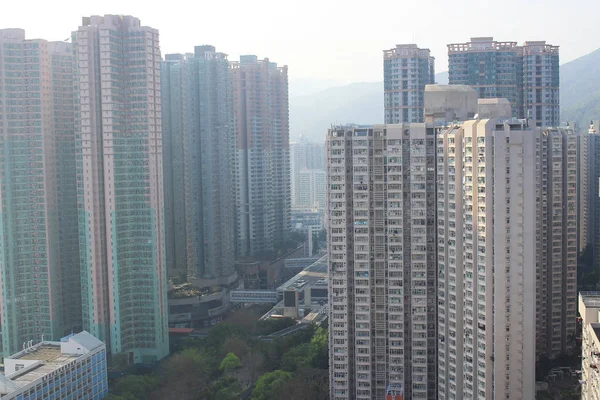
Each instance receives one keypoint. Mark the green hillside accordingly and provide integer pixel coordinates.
(580, 89)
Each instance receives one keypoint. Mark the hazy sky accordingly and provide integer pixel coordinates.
(326, 39)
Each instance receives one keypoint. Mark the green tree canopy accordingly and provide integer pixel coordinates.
(136, 386)
(269, 326)
(319, 349)
(230, 363)
(268, 385)
(296, 357)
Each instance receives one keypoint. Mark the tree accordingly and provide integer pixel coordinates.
(243, 319)
(269, 326)
(111, 396)
(119, 361)
(308, 383)
(268, 385)
(136, 386)
(219, 334)
(236, 346)
(230, 363)
(185, 375)
(226, 388)
(296, 357)
(319, 349)
(254, 363)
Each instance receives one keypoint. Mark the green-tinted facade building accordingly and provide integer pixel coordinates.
(120, 186)
(526, 75)
(39, 266)
(199, 165)
(407, 69)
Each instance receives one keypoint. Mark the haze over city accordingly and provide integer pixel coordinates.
(335, 41)
(301, 200)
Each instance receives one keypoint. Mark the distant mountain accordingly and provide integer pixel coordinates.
(311, 114)
(441, 78)
(306, 86)
(580, 89)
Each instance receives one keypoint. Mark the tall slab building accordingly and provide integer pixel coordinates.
(120, 186)
(527, 75)
(382, 261)
(199, 164)
(39, 264)
(174, 94)
(588, 187)
(307, 165)
(261, 124)
(507, 255)
(406, 71)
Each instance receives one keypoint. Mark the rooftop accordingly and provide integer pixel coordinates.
(51, 359)
(314, 274)
(590, 299)
(187, 290)
(45, 357)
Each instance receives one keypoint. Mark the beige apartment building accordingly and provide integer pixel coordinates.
(589, 309)
(261, 125)
(458, 233)
(507, 254)
(382, 261)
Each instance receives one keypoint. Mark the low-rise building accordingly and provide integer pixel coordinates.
(194, 307)
(589, 309)
(72, 369)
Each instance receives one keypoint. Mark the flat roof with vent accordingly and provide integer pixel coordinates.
(591, 299)
(43, 358)
(50, 358)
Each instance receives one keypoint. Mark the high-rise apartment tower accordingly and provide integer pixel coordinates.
(120, 186)
(588, 187)
(406, 71)
(382, 261)
(199, 163)
(261, 124)
(39, 263)
(526, 75)
(307, 162)
(506, 255)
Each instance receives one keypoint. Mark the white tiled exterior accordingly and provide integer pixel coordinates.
(506, 255)
(311, 190)
(382, 255)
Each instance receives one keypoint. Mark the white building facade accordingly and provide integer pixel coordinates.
(382, 261)
(589, 309)
(307, 166)
(506, 255)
